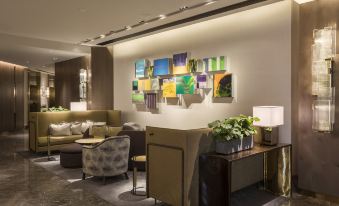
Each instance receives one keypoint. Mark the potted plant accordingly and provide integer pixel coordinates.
(233, 134)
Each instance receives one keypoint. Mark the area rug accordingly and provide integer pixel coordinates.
(117, 190)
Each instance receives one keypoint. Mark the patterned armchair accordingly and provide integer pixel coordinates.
(108, 158)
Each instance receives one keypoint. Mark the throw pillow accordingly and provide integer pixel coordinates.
(113, 131)
(99, 131)
(76, 128)
(86, 125)
(131, 126)
(62, 129)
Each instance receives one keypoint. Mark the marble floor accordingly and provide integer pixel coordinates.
(24, 183)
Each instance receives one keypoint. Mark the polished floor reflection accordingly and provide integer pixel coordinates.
(24, 183)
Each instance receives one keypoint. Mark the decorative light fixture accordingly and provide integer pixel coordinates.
(270, 119)
(323, 90)
(83, 84)
(303, 1)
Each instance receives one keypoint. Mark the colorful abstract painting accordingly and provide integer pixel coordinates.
(140, 68)
(155, 84)
(222, 86)
(135, 85)
(215, 64)
(180, 63)
(162, 67)
(151, 100)
(185, 85)
(147, 84)
(138, 98)
(202, 81)
(200, 65)
(169, 88)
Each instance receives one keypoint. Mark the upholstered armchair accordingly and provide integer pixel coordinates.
(108, 158)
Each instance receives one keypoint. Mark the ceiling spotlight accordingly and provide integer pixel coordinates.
(141, 22)
(209, 2)
(183, 8)
(128, 28)
(55, 58)
(102, 36)
(162, 16)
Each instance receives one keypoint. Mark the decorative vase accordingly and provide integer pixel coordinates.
(234, 145)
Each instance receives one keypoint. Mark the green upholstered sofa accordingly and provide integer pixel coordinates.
(40, 121)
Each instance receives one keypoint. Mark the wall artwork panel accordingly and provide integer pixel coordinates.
(202, 81)
(147, 84)
(222, 85)
(138, 98)
(140, 68)
(214, 64)
(180, 63)
(155, 84)
(151, 100)
(162, 67)
(135, 85)
(185, 85)
(169, 88)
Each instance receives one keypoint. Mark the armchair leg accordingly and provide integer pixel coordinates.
(126, 175)
(83, 176)
(104, 180)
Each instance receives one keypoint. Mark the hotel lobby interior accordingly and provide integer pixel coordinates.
(158, 102)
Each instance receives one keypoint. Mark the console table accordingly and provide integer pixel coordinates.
(215, 173)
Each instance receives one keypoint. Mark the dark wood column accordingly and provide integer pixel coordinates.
(100, 87)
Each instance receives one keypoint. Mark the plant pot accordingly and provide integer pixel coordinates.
(234, 145)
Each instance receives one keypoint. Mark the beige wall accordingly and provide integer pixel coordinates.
(258, 45)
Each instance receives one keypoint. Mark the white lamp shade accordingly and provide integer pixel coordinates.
(269, 116)
(78, 106)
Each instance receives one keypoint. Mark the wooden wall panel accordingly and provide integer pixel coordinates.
(8, 103)
(318, 162)
(101, 79)
(67, 80)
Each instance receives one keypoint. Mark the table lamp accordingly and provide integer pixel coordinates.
(270, 119)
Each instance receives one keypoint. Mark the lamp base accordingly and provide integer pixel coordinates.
(270, 135)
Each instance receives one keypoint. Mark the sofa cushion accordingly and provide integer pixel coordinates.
(99, 131)
(131, 126)
(113, 131)
(61, 129)
(56, 140)
(76, 128)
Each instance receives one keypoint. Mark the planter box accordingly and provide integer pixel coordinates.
(235, 145)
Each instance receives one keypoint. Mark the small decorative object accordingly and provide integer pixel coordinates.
(169, 88)
(138, 98)
(151, 100)
(78, 106)
(202, 81)
(150, 71)
(57, 109)
(162, 67)
(185, 85)
(233, 134)
(222, 86)
(180, 63)
(192, 65)
(135, 85)
(140, 68)
(270, 119)
(323, 90)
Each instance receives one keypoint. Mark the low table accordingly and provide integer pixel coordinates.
(89, 141)
(135, 159)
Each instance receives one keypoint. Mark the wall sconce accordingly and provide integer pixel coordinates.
(83, 84)
(323, 90)
(44, 92)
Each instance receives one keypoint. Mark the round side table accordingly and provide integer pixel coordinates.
(89, 141)
(135, 159)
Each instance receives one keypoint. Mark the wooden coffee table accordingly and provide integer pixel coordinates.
(89, 141)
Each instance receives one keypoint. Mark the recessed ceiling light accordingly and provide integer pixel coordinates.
(128, 28)
(162, 16)
(209, 2)
(102, 36)
(302, 1)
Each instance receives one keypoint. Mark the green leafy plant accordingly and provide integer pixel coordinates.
(57, 109)
(233, 128)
